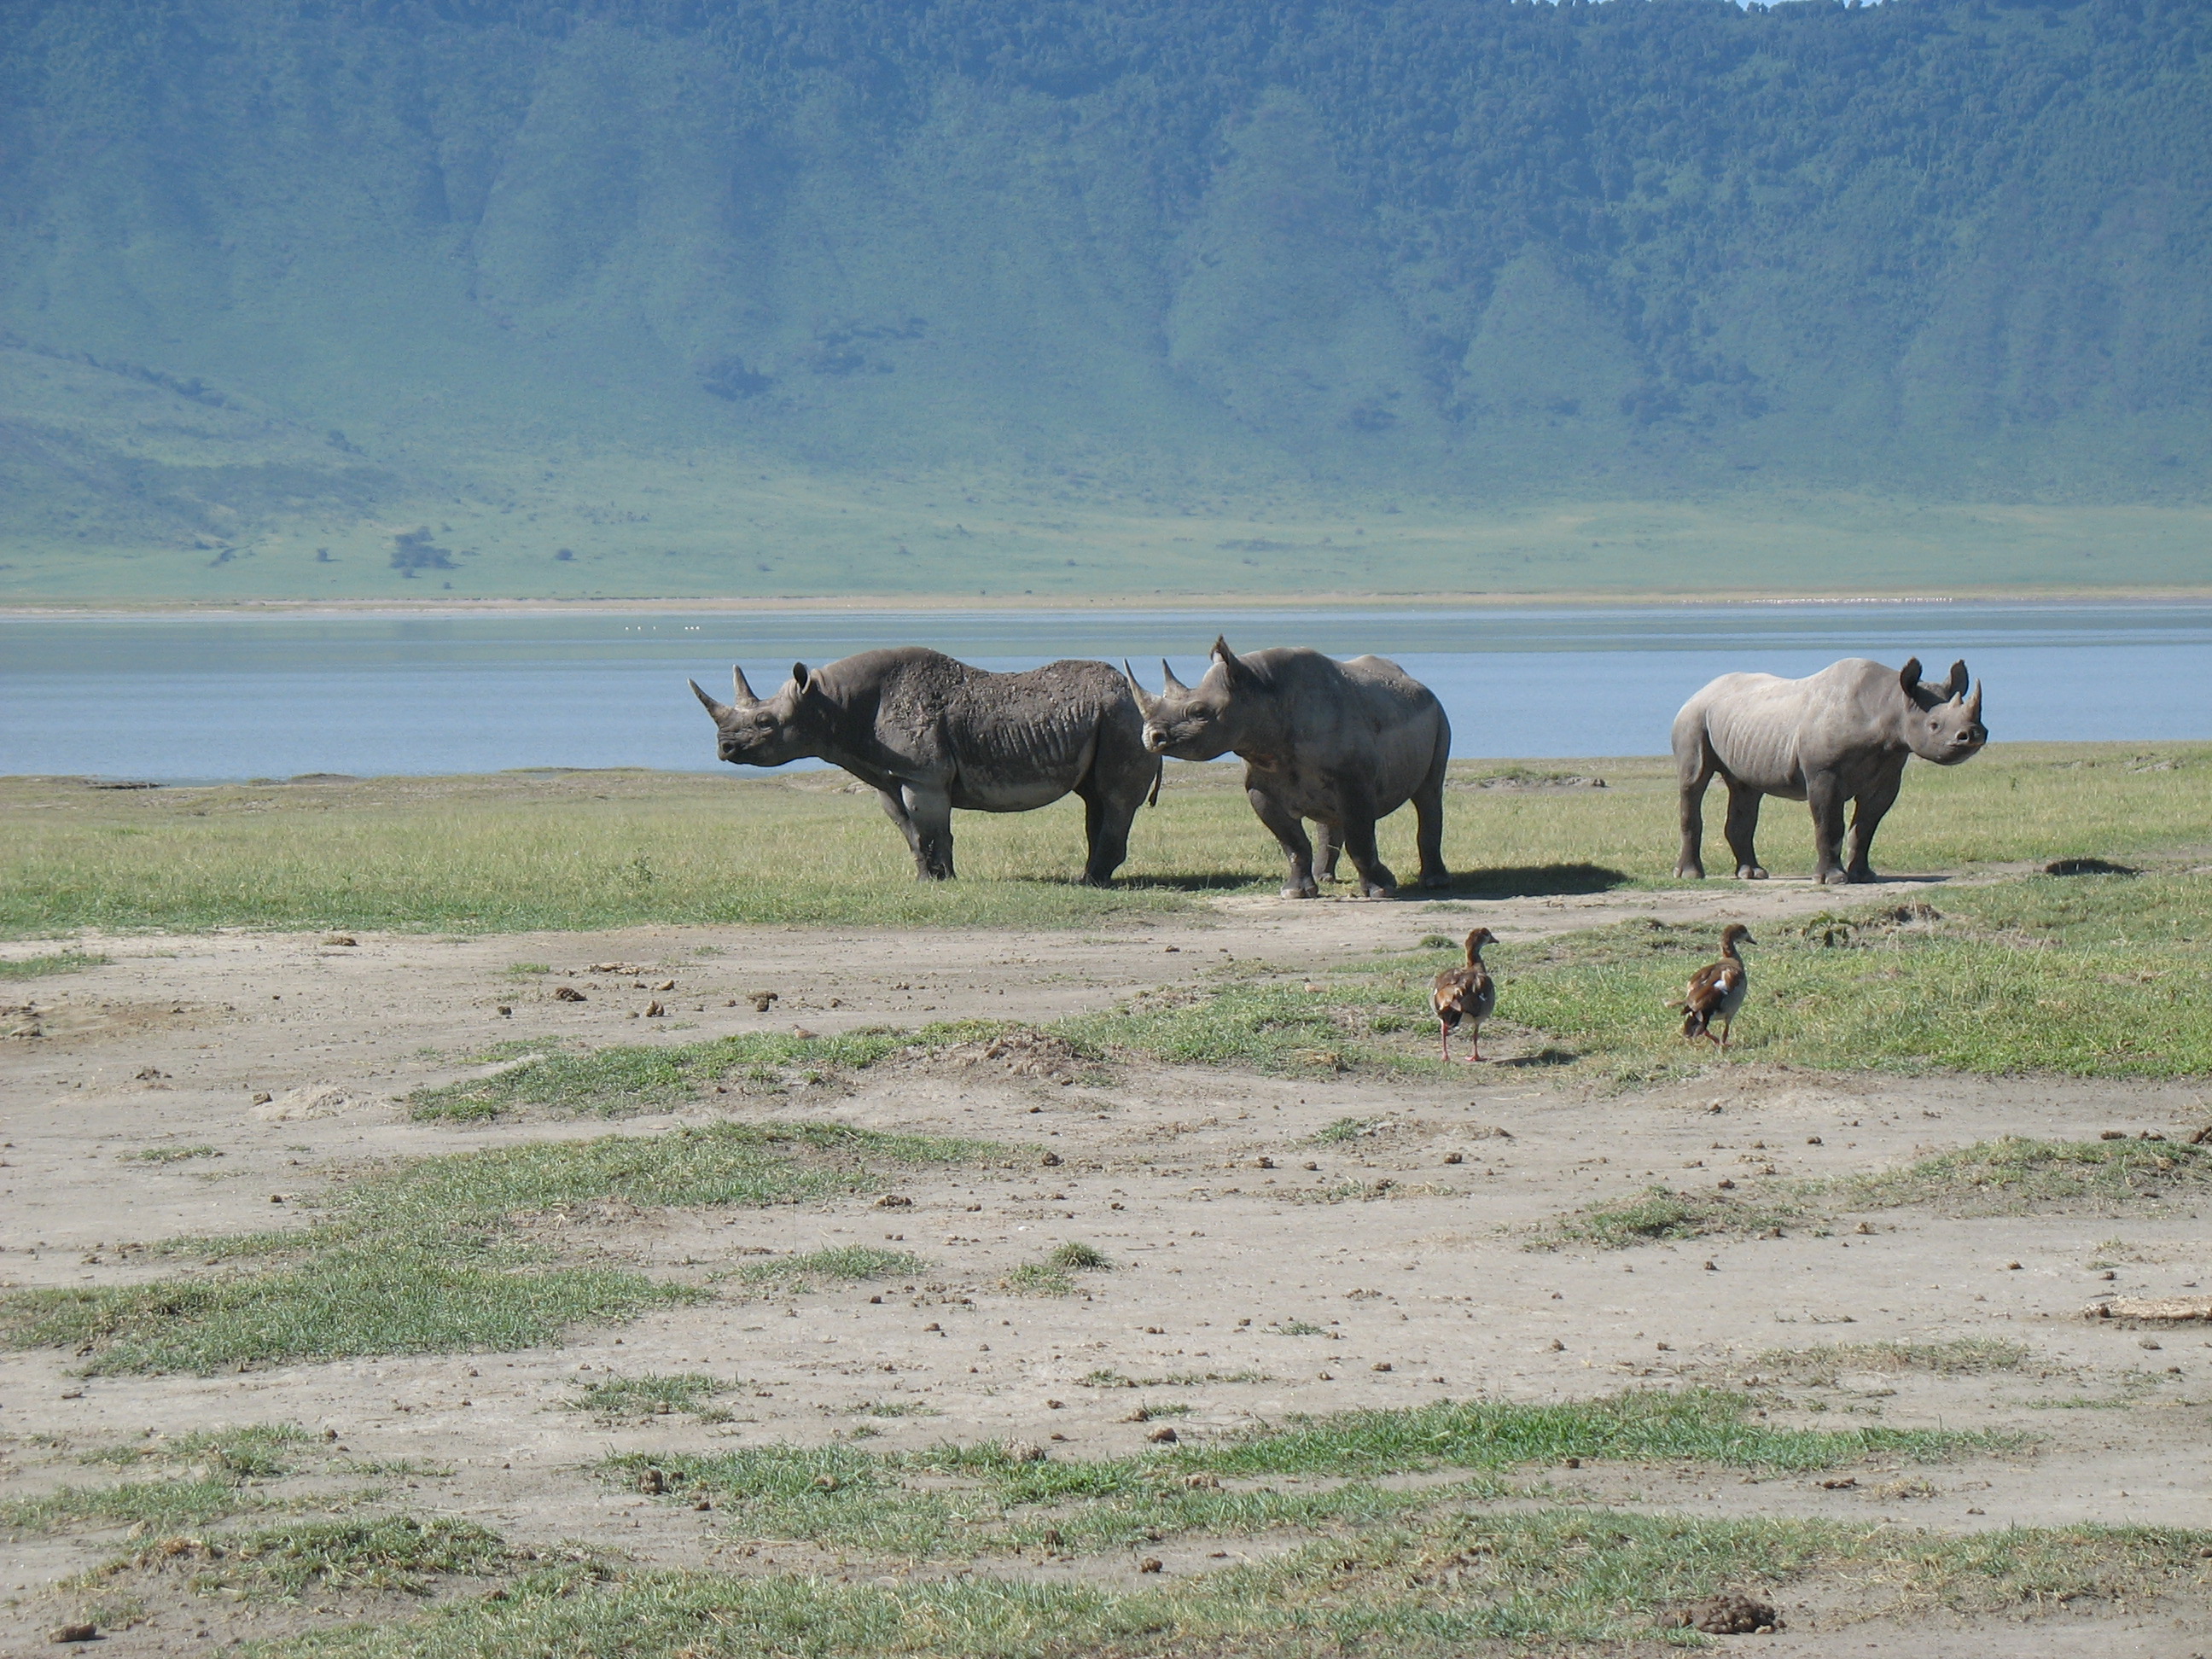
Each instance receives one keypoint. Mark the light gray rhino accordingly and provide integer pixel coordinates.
(929, 734)
(1343, 744)
(1843, 734)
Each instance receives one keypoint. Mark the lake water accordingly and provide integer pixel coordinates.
(180, 698)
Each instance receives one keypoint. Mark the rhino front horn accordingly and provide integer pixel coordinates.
(717, 709)
(1974, 706)
(1146, 700)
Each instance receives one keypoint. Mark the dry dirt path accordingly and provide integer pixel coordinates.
(1261, 1273)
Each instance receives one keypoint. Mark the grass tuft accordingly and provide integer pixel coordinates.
(849, 1263)
(43, 967)
(691, 1392)
(382, 1553)
(256, 1451)
(432, 1256)
(627, 1079)
(1659, 1214)
(2018, 1174)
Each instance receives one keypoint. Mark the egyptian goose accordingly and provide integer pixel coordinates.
(1465, 993)
(1717, 990)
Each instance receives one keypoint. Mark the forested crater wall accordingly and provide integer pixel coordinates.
(318, 250)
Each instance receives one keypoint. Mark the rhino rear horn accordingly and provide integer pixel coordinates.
(744, 686)
(1956, 686)
(718, 710)
(1168, 680)
(1146, 702)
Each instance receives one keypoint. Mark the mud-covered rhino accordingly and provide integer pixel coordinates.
(1843, 734)
(929, 734)
(1343, 744)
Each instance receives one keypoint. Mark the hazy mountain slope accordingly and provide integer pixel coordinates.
(314, 268)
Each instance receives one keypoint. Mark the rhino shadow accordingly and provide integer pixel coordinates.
(1527, 881)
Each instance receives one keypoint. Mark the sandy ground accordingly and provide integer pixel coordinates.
(1203, 1185)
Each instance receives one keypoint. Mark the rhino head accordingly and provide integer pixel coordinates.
(763, 731)
(1192, 723)
(1942, 723)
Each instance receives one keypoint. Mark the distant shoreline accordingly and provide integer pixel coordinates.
(29, 609)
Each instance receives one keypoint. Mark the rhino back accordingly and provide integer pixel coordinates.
(995, 741)
(1367, 715)
(1769, 733)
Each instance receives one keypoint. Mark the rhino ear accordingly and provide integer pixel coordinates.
(1232, 670)
(718, 710)
(801, 678)
(1956, 688)
(1909, 675)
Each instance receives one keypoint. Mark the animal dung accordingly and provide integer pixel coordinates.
(1730, 1615)
(1150, 1564)
(666, 985)
(652, 1482)
(1162, 1436)
(1049, 1159)
(762, 1000)
(85, 1633)
(1454, 1158)
(1381, 1365)
(894, 1201)
(802, 1033)
(654, 1010)
(340, 940)
(567, 993)
(1025, 1451)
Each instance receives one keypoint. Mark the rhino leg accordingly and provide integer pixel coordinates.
(1284, 824)
(1429, 823)
(1866, 813)
(1106, 821)
(1327, 847)
(1743, 829)
(931, 812)
(1697, 774)
(1357, 829)
(895, 810)
(1824, 795)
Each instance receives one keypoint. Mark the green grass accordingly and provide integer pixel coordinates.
(381, 1553)
(42, 967)
(163, 1504)
(386, 1301)
(627, 1079)
(841, 1497)
(2099, 974)
(845, 1263)
(2017, 1174)
(434, 1256)
(602, 850)
(1659, 1214)
(1055, 1275)
(259, 1451)
(1824, 1365)
(171, 1154)
(1435, 1585)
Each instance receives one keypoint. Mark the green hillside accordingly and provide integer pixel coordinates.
(373, 297)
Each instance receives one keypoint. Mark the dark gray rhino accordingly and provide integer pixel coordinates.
(1343, 744)
(1843, 734)
(929, 734)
